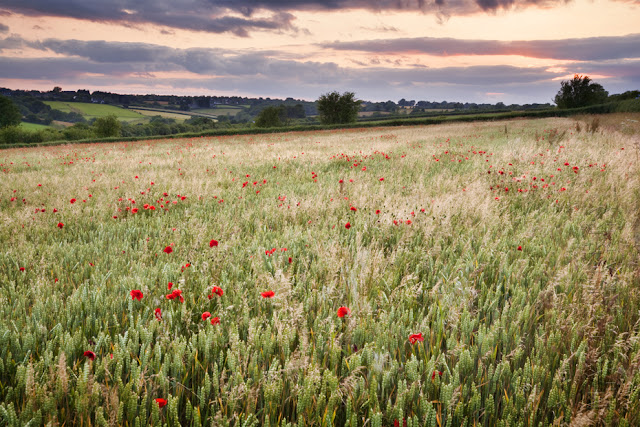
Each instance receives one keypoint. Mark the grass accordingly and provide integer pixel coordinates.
(33, 126)
(175, 116)
(510, 247)
(220, 111)
(91, 111)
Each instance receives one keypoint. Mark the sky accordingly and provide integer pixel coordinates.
(511, 51)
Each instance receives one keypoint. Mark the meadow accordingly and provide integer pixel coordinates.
(469, 274)
(94, 111)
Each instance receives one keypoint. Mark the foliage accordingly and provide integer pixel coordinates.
(9, 113)
(105, 127)
(463, 282)
(580, 92)
(272, 117)
(335, 108)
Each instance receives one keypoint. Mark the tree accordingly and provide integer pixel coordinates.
(580, 92)
(272, 117)
(9, 113)
(335, 108)
(107, 126)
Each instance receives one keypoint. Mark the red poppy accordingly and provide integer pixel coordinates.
(177, 293)
(433, 376)
(158, 314)
(377, 211)
(161, 402)
(519, 248)
(22, 268)
(206, 315)
(215, 321)
(353, 208)
(72, 201)
(343, 311)
(414, 338)
(60, 225)
(217, 290)
(213, 243)
(290, 260)
(170, 285)
(134, 210)
(347, 225)
(136, 294)
(167, 250)
(267, 294)
(90, 354)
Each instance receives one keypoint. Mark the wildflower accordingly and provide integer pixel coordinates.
(347, 225)
(160, 401)
(72, 201)
(60, 225)
(343, 311)
(267, 294)
(136, 294)
(158, 314)
(433, 375)
(377, 211)
(169, 285)
(353, 208)
(290, 260)
(22, 268)
(90, 354)
(213, 243)
(414, 338)
(167, 250)
(519, 248)
(206, 315)
(134, 210)
(215, 321)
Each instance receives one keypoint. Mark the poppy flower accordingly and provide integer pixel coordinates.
(177, 293)
(170, 285)
(134, 210)
(377, 211)
(60, 225)
(433, 375)
(158, 314)
(136, 294)
(519, 248)
(343, 311)
(206, 315)
(213, 243)
(22, 268)
(267, 294)
(414, 338)
(290, 260)
(353, 208)
(217, 290)
(72, 201)
(167, 250)
(161, 402)
(347, 225)
(90, 354)
(215, 321)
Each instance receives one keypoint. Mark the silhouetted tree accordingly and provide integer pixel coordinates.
(580, 92)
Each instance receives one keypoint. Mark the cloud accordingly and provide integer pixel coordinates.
(3, 29)
(587, 49)
(243, 16)
(212, 17)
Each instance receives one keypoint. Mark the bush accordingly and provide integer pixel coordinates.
(108, 126)
(580, 92)
(9, 113)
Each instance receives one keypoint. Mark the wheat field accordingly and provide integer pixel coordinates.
(464, 274)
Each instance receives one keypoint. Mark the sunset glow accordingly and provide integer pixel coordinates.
(473, 51)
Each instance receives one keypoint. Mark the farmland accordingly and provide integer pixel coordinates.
(92, 111)
(460, 274)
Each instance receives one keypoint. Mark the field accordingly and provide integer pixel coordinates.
(33, 126)
(220, 111)
(461, 274)
(176, 116)
(92, 111)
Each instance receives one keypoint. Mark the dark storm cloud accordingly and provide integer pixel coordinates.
(587, 49)
(3, 29)
(239, 16)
